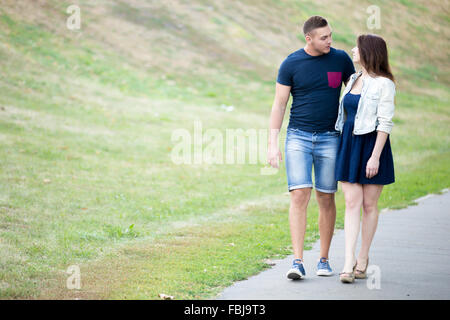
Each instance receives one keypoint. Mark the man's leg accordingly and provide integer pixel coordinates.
(324, 156)
(299, 175)
(327, 220)
(297, 219)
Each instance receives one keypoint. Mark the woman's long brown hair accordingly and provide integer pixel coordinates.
(374, 55)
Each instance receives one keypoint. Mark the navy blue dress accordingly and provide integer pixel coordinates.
(355, 150)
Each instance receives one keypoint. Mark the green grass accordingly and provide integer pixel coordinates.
(86, 176)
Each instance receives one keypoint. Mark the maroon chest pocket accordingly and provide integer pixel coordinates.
(334, 79)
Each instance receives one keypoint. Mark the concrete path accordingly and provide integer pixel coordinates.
(409, 259)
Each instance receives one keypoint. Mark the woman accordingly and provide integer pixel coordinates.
(364, 161)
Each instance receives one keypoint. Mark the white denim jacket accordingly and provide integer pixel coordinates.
(375, 107)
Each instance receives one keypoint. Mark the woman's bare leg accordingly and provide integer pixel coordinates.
(353, 193)
(371, 194)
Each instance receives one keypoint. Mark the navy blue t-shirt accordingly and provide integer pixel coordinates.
(315, 87)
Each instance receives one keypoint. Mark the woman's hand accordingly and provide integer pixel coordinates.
(372, 166)
(273, 156)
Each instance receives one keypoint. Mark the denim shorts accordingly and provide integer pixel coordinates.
(304, 149)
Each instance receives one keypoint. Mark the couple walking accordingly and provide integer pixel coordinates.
(345, 139)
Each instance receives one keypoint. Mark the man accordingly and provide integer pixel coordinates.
(313, 75)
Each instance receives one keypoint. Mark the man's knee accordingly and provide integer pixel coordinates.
(300, 196)
(325, 196)
(325, 199)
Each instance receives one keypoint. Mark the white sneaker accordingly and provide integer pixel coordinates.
(297, 270)
(323, 267)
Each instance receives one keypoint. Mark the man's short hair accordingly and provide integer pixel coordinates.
(313, 23)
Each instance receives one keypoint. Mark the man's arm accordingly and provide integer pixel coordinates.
(282, 94)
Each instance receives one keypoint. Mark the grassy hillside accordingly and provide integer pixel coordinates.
(86, 119)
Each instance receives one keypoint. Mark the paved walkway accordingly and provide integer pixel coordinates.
(409, 259)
